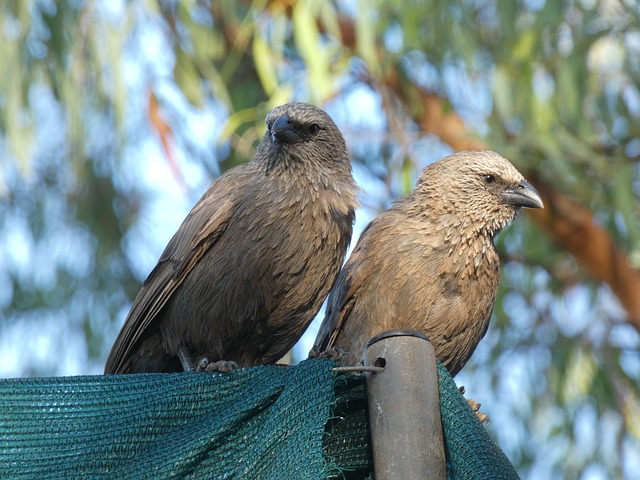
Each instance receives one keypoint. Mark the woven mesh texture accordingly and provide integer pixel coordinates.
(471, 452)
(260, 423)
(347, 443)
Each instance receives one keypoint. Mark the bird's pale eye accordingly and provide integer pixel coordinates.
(313, 129)
(489, 178)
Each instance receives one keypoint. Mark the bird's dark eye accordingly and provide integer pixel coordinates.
(313, 129)
(488, 178)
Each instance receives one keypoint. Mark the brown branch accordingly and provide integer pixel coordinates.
(570, 225)
(574, 230)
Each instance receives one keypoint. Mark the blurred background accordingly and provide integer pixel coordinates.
(115, 116)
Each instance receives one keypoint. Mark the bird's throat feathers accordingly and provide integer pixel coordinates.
(324, 187)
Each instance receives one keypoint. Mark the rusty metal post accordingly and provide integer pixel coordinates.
(404, 407)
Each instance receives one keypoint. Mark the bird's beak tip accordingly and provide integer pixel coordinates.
(524, 195)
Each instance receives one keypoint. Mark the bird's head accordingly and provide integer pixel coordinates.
(299, 134)
(480, 187)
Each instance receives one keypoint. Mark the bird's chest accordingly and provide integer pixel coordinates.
(470, 270)
(290, 234)
(469, 288)
(307, 229)
(443, 276)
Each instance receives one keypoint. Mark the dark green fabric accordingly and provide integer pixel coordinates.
(263, 422)
(258, 423)
(471, 452)
(347, 443)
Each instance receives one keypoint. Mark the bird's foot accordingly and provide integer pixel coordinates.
(335, 354)
(475, 406)
(223, 366)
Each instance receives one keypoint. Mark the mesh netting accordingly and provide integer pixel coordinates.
(259, 423)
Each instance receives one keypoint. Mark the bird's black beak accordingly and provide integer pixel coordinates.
(283, 131)
(524, 195)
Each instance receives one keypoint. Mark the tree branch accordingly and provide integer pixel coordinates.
(570, 225)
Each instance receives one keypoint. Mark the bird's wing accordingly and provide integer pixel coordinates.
(343, 296)
(200, 230)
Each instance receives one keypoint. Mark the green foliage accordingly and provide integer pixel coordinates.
(554, 86)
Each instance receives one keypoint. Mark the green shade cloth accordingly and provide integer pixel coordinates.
(265, 422)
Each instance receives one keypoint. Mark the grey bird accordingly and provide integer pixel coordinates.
(249, 267)
(429, 262)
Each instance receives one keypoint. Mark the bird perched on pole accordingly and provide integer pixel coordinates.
(249, 267)
(429, 262)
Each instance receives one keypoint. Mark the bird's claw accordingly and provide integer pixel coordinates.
(475, 406)
(223, 366)
(335, 354)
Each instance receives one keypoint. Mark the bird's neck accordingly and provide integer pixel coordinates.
(333, 184)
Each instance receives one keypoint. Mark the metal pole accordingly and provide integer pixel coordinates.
(404, 407)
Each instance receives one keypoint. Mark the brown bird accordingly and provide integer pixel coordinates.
(249, 267)
(429, 263)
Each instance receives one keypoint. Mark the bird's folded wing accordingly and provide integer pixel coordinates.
(200, 230)
(340, 303)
